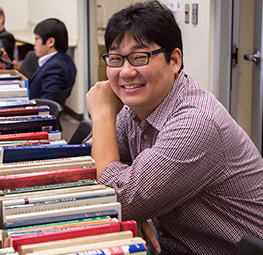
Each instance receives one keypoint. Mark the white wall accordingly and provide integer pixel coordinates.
(198, 41)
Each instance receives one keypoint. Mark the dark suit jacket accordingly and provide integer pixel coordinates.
(57, 74)
(9, 43)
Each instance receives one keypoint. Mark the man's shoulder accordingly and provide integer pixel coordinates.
(62, 59)
(6, 34)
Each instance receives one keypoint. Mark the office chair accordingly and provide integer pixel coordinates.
(82, 133)
(249, 245)
(64, 95)
(55, 109)
(29, 64)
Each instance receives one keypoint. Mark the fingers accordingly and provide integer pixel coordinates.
(145, 231)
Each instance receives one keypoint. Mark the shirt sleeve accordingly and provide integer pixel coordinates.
(183, 160)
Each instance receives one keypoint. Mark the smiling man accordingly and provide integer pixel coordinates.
(170, 150)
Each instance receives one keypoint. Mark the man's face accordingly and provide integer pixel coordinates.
(141, 87)
(40, 48)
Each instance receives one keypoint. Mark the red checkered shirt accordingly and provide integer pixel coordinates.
(191, 169)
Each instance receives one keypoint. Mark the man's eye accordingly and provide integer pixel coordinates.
(114, 58)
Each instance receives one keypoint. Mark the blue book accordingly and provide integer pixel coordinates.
(63, 217)
(30, 123)
(29, 153)
(20, 103)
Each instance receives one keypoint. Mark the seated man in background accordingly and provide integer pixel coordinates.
(7, 38)
(169, 148)
(57, 71)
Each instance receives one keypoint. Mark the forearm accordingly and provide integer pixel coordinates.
(104, 144)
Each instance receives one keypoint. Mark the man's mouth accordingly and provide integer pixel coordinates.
(133, 86)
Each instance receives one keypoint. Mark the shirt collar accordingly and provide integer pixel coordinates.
(45, 58)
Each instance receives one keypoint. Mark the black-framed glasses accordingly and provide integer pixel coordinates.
(135, 58)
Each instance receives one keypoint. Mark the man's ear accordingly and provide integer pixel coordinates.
(51, 42)
(176, 60)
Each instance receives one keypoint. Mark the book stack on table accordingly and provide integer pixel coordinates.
(50, 202)
(13, 86)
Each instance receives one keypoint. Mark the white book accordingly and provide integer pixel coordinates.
(13, 92)
(47, 164)
(14, 98)
(75, 241)
(66, 211)
(54, 191)
(89, 247)
(62, 201)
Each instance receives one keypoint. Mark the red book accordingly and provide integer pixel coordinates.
(74, 233)
(23, 111)
(47, 177)
(48, 135)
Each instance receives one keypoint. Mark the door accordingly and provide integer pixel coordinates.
(256, 59)
(246, 100)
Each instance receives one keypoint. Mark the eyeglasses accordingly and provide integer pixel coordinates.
(135, 58)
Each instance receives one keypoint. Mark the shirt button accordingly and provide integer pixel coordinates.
(145, 137)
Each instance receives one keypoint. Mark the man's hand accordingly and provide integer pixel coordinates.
(145, 231)
(102, 102)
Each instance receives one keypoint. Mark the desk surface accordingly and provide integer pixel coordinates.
(28, 36)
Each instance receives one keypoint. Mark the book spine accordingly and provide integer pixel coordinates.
(31, 123)
(34, 142)
(60, 227)
(56, 204)
(15, 92)
(76, 241)
(23, 111)
(28, 199)
(34, 227)
(20, 103)
(51, 187)
(66, 234)
(57, 215)
(49, 165)
(47, 177)
(48, 135)
(117, 250)
(11, 99)
(63, 217)
(11, 78)
(27, 153)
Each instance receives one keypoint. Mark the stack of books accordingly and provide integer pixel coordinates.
(50, 202)
(13, 86)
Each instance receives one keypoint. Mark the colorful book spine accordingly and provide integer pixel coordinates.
(55, 187)
(46, 164)
(61, 226)
(79, 232)
(26, 110)
(117, 250)
(34, 142)
(21, 103)
(75, 241)
(63, 217)
(47, 135)
(14, 181)
(31, 123)
(40, 226)
(10, 221)
(27, 153)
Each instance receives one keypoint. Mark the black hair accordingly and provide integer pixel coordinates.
(53, 28)
(150, 22)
